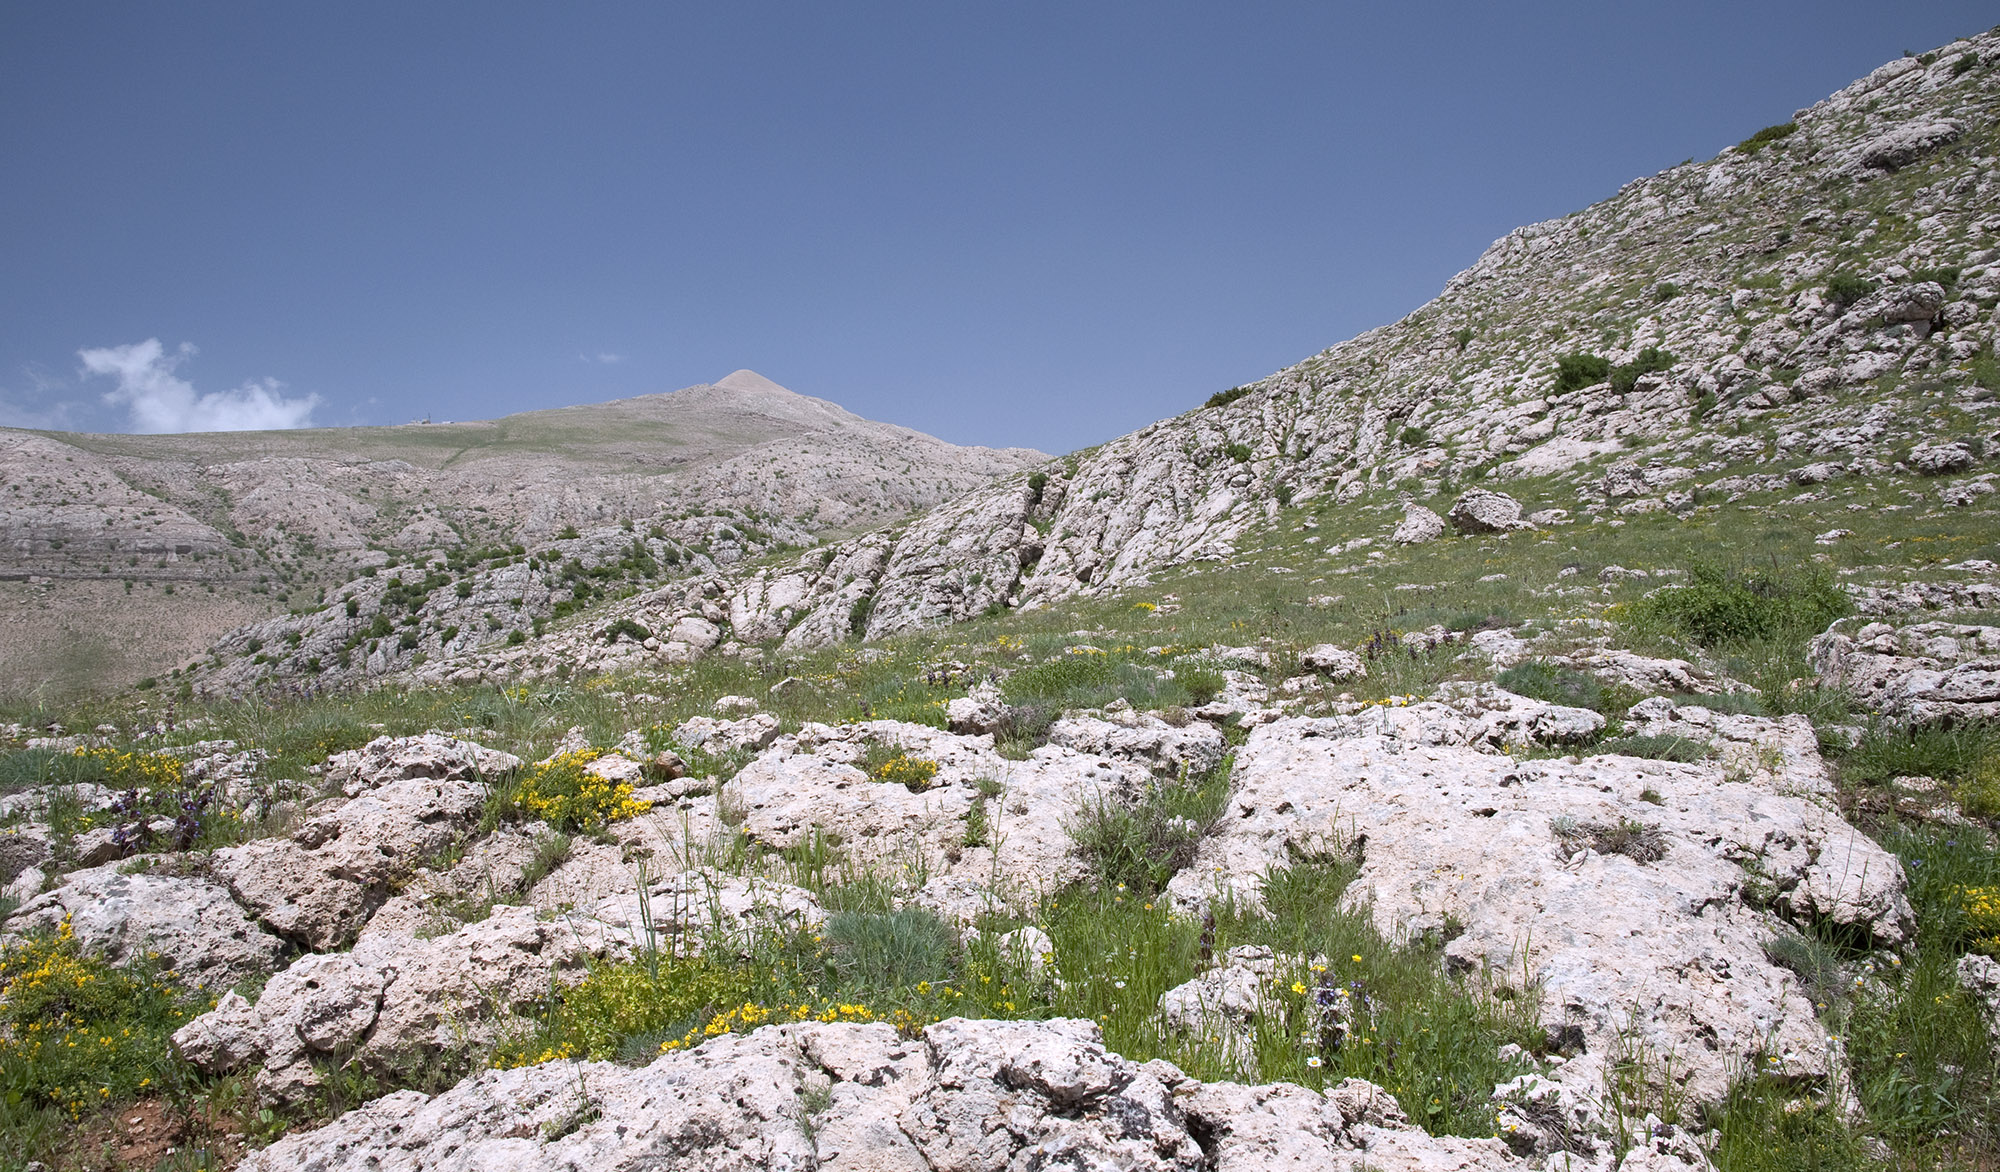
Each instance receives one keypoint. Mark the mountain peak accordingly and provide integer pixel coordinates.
(748, 382)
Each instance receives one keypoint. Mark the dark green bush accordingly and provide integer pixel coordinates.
(1766, 137)
(628, 628)
(1721, 607)
(1576, 371)
(1462, 337)
(1666, 291)
(1844, 289)
(1413, 437)
(1625, 375)
(1225, 398)
(1237, 452)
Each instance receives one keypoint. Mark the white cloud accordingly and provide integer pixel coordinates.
(603, 357)
(157, 401)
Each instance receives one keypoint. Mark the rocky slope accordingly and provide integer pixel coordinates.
(285, 515)
(1814, 305)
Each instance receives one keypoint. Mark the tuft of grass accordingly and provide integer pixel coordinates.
(1665, 747)
(1552, 684)
(1139, 847)
(877, 953)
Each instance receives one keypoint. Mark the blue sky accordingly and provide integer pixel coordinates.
(1036, 224)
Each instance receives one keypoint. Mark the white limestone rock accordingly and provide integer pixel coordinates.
(431, 755)
(1336, 663)
(1922, 673)
(1418, 526)
(1665, 945)
(395, 1001)
(856, 1098)
(318, 886)
(727, 736)
(192, 925)
(1137, 736)
(1481, 510)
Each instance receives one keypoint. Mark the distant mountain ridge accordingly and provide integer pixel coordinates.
(286, 514)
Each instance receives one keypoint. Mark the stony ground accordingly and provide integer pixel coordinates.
(1435, 756)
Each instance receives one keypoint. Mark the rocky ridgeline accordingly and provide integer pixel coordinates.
(1797, 310)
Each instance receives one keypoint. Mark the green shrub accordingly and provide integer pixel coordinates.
(1237, 452)
(1946, 275)
(1625, 376)
(1666, 291)
(80, 1033)
(876, 953)
(883, 763)
(1721, 607)
(1766, 137)
(1225, 398)
(1413, 437)
(628, 628)
(1949, 753)
(1576, 371)
(1547, 682)
(1964, 63)
(1844, 289)
(1461, 338)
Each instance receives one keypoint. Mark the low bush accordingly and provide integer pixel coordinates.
(1139, 847)
(876, 953)
(1766, 137)
(570, 798)
(1719, 608)
(1844, 289)
(883, 763)
(1225, 398)
(1576, 371)
(1625, 376)
(81, 1033)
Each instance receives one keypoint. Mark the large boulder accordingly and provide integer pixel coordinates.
(1621, 888)
(1480, 510)
(190, 925)
(1905, 143)
(967, 1095)
(1334, 662)
(395, 1001)
(429, 755)
(1924, 673)
(1196, 747)
(318, 886)
(1418, 525)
